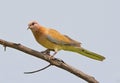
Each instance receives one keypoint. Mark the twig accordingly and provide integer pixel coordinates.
(43, 67)
(38, 70)
(57, 63)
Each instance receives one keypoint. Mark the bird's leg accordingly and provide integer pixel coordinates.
(52, 56)
(48, 53)
(55, 52)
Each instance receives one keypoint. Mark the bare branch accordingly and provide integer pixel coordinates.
(56, 62)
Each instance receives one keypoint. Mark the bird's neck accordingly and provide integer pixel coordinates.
(40, 31)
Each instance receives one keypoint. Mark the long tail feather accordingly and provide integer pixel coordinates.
(87, 53)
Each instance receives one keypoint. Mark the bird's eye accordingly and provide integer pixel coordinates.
(33, 23)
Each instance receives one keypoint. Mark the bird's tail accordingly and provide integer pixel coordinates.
(88, 53)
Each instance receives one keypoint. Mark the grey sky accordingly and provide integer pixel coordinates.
(95, 23)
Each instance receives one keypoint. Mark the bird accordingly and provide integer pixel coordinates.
(56, 41)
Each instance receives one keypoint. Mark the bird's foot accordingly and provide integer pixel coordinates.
(58, 59)
(46, 52)
(52, 56)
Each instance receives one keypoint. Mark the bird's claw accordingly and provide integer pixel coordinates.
(58, 59)
(46, 52)
(51, 57)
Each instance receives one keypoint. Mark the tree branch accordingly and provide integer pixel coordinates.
(55, 62)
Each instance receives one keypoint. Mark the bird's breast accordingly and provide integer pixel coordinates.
(41, 39)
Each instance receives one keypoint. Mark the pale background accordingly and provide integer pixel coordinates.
(95, 23)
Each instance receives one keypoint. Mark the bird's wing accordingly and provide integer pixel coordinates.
(72, 40)
(59, 39)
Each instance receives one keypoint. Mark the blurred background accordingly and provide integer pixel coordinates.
(95, 23)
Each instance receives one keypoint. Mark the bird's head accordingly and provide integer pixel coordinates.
(33, 25)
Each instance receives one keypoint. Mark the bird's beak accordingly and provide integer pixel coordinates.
(28, 28)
